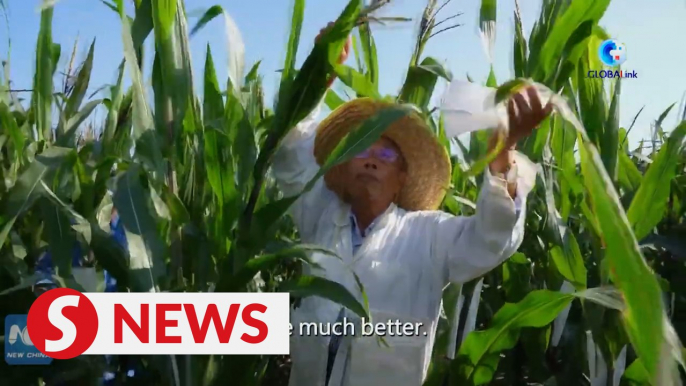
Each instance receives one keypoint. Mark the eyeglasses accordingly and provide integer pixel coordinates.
(384, 154)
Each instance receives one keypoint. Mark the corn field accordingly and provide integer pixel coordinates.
(594, 296)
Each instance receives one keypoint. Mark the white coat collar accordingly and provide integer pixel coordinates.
(342, 217)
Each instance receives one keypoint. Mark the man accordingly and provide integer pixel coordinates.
(378, 213)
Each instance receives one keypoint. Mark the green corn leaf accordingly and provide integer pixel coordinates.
(592, 103)
(41, 100)
(650, 202)
(142, 24)
(173, 61)
(440, 69)
(563, 141)
(370, 57)
(110, 6)
(357, 81)
(610, 143)
(628, 175)
(177, 210)
(266, 219)
(565, 250)
(28, 188)
(293, 40)
(217, 152)
(60, 237)
(163, 15)
(81, 85)
(9, 125)
(244, 151)
(55, 53)
(306, 286)
(561, 31)
(113, 108)
(309, 86)
(234, 43)
(211, 13)
(304, 94)
(213, 103)
(107, 251)
(142, 117)
(480, 350)
(491, 81)
(332, 100)
(268, 261)
(356, 51)
(252, 74)
(636, 374)
(487, 25)
(418, 87)
(146, 250)
(661, 118)
(520, 47)
(644, 313)
(68, 137)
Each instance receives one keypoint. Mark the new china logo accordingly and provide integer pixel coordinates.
(64, 323)
(19, 349)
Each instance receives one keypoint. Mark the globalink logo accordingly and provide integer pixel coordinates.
(613, 54)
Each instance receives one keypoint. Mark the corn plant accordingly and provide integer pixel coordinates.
(189, 178)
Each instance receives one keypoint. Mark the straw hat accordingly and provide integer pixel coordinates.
(428, 162)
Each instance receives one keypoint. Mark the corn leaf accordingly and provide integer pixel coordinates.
(480, 350)
(418, 87)
(218, 161)
(60, 237)
(332, 100)
(520, 46)
(357, 81)
(487, 24)
(370, 57)
(146, 250)
(81, 85)
(142, 24)
(293, 40)
(644, 312)
(650, 202)
(306, 286)
(9, 125)
(610, 141)
(560, 33)
(41, 100)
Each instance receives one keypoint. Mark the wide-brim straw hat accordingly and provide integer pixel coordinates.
(428, 162)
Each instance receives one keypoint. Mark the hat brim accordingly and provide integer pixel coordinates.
(428, 162)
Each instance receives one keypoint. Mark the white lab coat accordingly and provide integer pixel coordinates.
(404, 264)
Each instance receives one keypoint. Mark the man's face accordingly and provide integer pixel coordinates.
(379, 172)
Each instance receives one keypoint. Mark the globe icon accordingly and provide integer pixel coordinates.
(612, 52)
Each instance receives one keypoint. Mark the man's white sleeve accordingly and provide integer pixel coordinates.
(466, 247)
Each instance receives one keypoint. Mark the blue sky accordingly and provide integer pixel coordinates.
(648, 29)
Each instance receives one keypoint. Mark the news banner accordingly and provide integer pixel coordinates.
(64, 323)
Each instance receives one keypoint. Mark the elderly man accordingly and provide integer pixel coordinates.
(378, 212)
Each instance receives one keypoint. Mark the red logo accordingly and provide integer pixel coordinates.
(63, 323)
